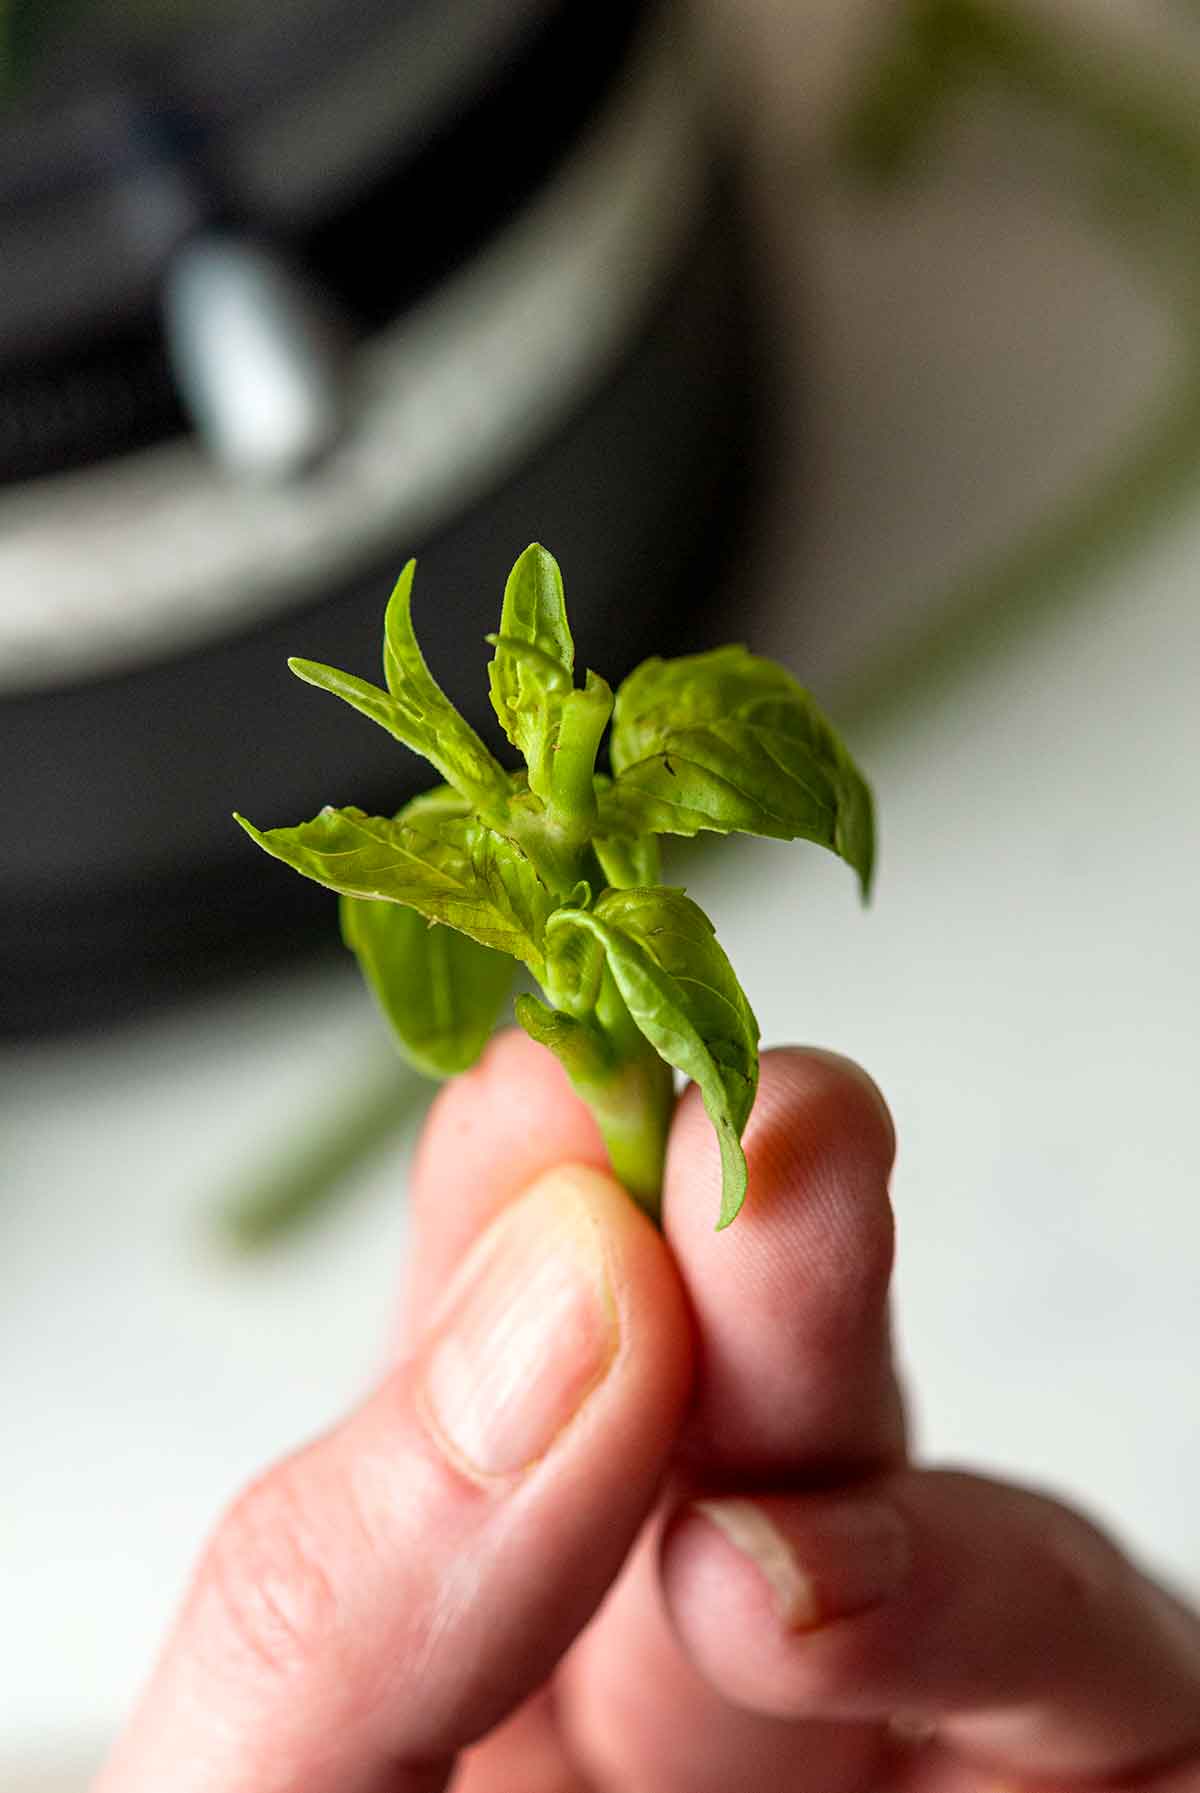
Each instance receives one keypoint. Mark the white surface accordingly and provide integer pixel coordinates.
(1025, 989)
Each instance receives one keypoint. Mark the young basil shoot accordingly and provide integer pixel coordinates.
(556, 866)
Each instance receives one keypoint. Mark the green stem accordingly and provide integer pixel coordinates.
(628, 1088)
(993, 607)
(633, 1111)
(1148, 126)
(940, 46)
(557, 833)
(583, 721)
(303, 1176)
(559, 860)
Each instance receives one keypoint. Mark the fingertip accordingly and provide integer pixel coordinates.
(813, 1111)
(491, 1132)
(850, 1081)
(653, 1329)
(572, 1260)
(511, 1072)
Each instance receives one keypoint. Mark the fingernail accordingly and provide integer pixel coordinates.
(849, 1557)
(527, 1331)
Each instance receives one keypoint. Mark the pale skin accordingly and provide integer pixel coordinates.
(709, 1448)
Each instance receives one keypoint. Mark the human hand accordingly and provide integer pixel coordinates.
(827, 1619)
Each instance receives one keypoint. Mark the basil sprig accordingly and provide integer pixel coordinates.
(556, 866)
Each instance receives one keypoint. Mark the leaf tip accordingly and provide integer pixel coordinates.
(257, 835)
(865, 868)
(309, 671)
(731, 1207)
(397, 616)
(734, 1181)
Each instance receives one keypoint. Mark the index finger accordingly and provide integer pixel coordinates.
(793, 1387)
(791, 1302)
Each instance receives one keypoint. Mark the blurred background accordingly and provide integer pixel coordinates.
(867, 333)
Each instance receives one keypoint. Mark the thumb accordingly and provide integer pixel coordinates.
(386, 1596)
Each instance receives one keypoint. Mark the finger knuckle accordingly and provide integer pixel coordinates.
(267, 1572)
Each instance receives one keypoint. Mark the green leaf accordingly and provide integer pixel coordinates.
(681, 992)
(432, 857)
(441, 990)
(360, 694)
(451, 744)
(581, 1049)
(414, 708)
(730, 742)
(574, 967)
(531, 673)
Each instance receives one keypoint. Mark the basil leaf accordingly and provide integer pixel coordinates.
(426, 809)
(445, 864)
(580, 1049)
(451, 743)
(441, 991)
(574, 968)
(682, 994)
(531, 672)
(414, 708)
(360, 694)
(729, 742)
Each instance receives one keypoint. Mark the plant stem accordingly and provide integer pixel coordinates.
(302, 1176)
(1148, 126)
(629, 1089)
(633, 1110)
(941, 46)
(584, 718)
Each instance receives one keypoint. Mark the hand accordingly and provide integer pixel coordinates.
(704, 1433)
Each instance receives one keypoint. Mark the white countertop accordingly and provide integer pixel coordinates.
(1025, 988)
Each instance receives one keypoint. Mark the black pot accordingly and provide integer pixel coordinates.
(544, 332)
